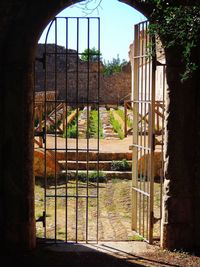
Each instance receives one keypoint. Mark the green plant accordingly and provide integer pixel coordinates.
(93, 125)
(97, 176)
(113, 66)
(120, 112)
(71, 131)
(120, 165)
(93, 176)
(136, 237)
(91, 54)
(178, 26)
(116, 126)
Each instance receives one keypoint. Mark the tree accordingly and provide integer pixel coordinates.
(113, 66)
(176, 22)
(177, 26)
(91, 54)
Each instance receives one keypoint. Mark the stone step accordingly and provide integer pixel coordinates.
(93, 155)
(83, 165)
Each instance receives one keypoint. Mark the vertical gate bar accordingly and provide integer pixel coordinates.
(149, 130)
(45, 140)
(152, 143)
(55, 134)
(45, 128)
(145, 123)
(77, 143)
(140, 127)
(162, 140)
(88, 124)
(142, 136)
(135, 134)
(66, 138)
(98, 137)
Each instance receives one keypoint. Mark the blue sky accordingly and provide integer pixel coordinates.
(117, 28)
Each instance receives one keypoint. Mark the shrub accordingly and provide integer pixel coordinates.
(93, 176)
(97, 176)
(120, 165)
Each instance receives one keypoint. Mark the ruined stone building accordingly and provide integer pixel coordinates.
(113, 88)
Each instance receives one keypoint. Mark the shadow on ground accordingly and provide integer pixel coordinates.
(79, 255)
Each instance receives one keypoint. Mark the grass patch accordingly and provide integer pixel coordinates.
(116, 126)
(120, 112)
(136, 237)
(114, 209)
(93, 125)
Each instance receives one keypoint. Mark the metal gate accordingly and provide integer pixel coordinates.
(148, 134)
(70, 90)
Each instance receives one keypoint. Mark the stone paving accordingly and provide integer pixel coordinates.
(82, 122)
(108, 130)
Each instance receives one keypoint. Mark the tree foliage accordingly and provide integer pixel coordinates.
(176, 22)
(113, 66)
(177, 26)
(91, 54)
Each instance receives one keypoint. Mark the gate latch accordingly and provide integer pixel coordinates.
(42, 219)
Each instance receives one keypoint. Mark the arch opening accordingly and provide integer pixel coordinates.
(79, 103)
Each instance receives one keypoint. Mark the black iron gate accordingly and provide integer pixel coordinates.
(67, 83)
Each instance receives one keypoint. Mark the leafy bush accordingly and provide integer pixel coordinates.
(95, 176)
(120, 165)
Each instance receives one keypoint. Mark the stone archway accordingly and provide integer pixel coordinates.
(21, 25)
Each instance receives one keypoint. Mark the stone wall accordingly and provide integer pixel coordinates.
(70, 77)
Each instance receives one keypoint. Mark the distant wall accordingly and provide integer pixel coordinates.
(113, 88)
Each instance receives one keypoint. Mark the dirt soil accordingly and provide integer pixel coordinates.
(129, 253)
(105, 145)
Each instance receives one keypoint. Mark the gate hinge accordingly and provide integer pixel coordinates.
(42, 219)
(154, 220)
(42, 60)
(158, 63)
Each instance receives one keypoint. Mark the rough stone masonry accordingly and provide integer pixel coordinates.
(74, 78)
